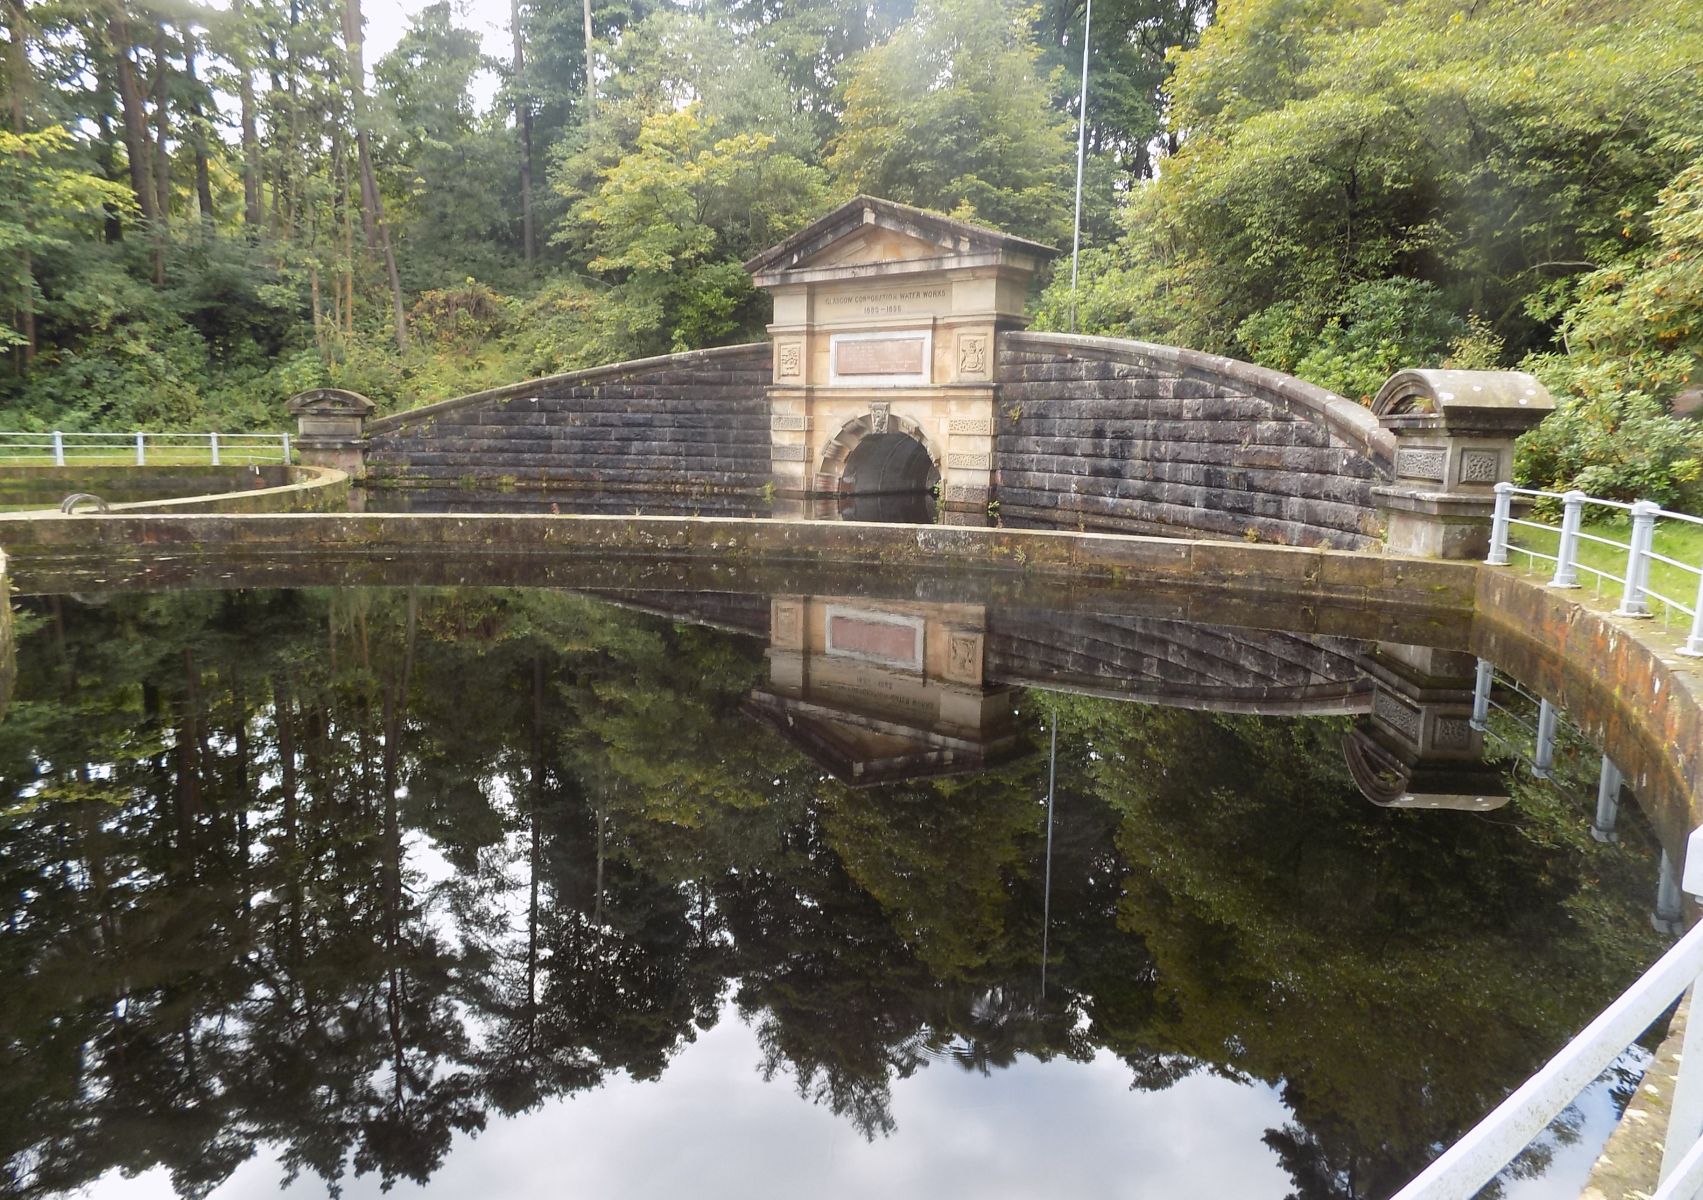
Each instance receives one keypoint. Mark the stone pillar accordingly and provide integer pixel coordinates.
(1454, 434)
(331, 428)
(1420, 746)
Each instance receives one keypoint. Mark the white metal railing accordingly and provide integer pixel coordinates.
(1636, 593)
(61, 448)
(1480, 1155)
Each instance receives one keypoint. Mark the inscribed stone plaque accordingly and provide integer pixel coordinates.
(896, 642)
(880, 356)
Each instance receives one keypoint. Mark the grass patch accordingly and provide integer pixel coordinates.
(188, 457)
(1601, 567)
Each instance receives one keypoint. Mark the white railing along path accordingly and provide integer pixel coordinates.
(1636, 591)
(62, 448)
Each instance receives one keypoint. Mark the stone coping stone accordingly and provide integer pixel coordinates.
(716, 357)
(309, 489)
(1345, 577)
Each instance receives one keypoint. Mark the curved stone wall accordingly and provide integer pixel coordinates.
(1103, 433)
(683, 422)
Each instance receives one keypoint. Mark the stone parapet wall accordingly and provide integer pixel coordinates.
(1101, 433)
(684, 422)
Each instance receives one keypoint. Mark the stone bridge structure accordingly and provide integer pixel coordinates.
(899, 364)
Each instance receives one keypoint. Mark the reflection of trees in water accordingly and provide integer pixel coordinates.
(219, 936)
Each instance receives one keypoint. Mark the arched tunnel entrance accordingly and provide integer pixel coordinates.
(889, 477)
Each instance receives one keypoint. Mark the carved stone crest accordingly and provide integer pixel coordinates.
(791, 358)
(878, 417)
(973, 354)
(964, 657)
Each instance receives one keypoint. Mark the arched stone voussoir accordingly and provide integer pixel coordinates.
(830, 472)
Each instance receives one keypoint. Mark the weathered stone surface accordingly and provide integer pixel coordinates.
(695, 421)
(1119, 436)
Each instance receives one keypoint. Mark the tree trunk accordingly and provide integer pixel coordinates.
(203, 178)
(523, 124)
(251, 207)
(372, 206)
(136, 146)
(162, 160)
(18, 84)
(590, 77)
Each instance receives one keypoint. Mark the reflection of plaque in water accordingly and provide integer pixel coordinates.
(880, 356)
(896, 642)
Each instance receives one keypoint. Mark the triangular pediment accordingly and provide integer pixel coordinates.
(872, 244)
(870, 233)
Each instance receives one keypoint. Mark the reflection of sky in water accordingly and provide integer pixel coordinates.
(713, 1128)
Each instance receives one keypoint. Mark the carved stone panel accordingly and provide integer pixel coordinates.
(879, 414)
(973, 356)
(789, 360)
(964, 657)
(969, 462)
(789, 422)
(1480, 466)
(970, 426)
(786, 619)
(788, 453)
(1397, 715)
(1415, 463)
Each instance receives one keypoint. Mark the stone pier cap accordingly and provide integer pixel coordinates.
(1454, 433)
(1463, 403)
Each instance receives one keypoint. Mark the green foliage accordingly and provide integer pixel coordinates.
(1636, 337)
(1381, 326)
(670, 221)
(1609, 441)
(951, 113)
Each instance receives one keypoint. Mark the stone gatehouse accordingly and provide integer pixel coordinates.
(885, 357)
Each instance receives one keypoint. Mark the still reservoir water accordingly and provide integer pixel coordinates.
(507, 892)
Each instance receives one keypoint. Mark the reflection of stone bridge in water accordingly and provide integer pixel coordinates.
(898, 365)
(880, 691)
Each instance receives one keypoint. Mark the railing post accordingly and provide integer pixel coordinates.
(1567, 554)
(1693, 647)
(141, 449)
(1481, 695)
(1545, 757)
(1632, 600)
(1499, 525)
(286, 437)
(1669, 914)
(213, 441)
(1685, 1117)
(58, 448)
(1608, 802)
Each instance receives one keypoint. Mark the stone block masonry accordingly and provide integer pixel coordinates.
(695, 422)
(1113, 435)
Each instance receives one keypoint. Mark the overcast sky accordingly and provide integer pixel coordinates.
(387, 20)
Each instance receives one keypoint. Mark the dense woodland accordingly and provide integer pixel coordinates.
(204, 209)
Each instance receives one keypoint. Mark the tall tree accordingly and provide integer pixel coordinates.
(372, 204)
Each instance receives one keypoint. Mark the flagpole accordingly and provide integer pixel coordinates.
(1081, 151)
